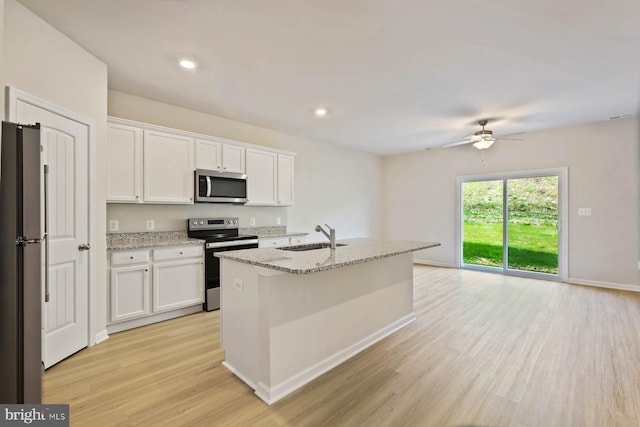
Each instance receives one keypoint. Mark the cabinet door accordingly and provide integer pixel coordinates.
(261, 177)
(129, 292)
(124, 164)
(168, 168)
(178, 284)
(233, 158)
(285, 180)
(208, 155)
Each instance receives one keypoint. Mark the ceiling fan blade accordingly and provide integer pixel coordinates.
(453, 144)
(510, 139)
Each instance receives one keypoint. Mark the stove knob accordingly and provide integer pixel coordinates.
(235, 221)
(195, 222)
(201, 222)
(230, 221)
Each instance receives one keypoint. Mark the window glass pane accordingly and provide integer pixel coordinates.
(482, 223)
(532, 219)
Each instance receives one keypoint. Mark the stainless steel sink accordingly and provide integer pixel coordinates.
(309, 247)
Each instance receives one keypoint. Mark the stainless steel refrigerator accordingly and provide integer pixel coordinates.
(21, 237)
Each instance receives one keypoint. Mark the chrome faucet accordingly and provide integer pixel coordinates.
(331, 235)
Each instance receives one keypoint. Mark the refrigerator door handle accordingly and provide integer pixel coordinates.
(46, 233)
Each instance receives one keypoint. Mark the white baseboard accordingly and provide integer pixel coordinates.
(434, 263)
(101, 336)
(239, 375)
(608, 285)
(272, 394)
(154, 318)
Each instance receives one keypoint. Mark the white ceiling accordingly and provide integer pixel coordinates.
(395, 75)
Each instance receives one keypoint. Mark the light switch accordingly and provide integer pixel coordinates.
(584, 211)
(239, 285)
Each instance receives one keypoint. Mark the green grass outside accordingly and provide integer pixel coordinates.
(531, 247)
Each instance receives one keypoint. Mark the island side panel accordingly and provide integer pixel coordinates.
(239, 310)
(316, 321)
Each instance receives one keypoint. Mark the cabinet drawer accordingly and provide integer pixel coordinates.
(177, 252)
(273, 242)
(129, 257)
(297, 240)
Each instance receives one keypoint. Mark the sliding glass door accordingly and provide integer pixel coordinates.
(511, 223)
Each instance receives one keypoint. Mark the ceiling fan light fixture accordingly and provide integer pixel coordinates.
(483, 144)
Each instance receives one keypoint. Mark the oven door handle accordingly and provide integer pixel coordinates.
(217, 245)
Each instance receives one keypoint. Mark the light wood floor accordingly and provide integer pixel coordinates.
(485, 350)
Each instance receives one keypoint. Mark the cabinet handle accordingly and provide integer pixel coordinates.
(130, 257)
(137, 197)
(146, 270)
(180, 252)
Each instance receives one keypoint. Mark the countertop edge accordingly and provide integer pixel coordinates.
(154, 244)
(317, 269)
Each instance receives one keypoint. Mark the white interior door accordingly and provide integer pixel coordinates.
(65, 151)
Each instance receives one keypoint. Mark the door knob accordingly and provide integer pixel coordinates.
(84, 247)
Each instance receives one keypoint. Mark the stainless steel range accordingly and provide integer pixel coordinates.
(220, 234)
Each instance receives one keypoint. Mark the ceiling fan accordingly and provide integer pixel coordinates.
(482, 139)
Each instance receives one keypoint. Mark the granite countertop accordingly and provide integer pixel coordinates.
(356, 251)
(268, 232)
(119, 241)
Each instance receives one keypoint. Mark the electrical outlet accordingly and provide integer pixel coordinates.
(584, 211)
(252, 221)
(151, 225)
(114, 225)
(278, 220)
(638, 265)
(239, 285)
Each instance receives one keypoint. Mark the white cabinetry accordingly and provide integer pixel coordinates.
(129, 285)
(124, 164)
(273, 242)
(233, 158)
(285, 180)
(208, 155)
(152, 164)
(150, 285)
(178, 278)
(297, 240)
(168, 168)
(261, 177)
(218, 156)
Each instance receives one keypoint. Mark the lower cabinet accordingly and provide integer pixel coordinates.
(129, 292)
(147, 283)
(177, 284)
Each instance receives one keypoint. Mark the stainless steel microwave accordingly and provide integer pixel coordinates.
(220, 187)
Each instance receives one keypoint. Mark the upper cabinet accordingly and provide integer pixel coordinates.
(233, 158)
(208, 155)
(218, 156)
(269, 178)
(124, 164)
(168, 168)
(153, 164)
(285, 180)
(261, 177)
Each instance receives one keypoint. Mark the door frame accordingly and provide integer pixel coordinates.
(13, 96)
(563, 218)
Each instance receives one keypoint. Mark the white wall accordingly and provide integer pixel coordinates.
(332, 185)
(41, 61)
(603, 161)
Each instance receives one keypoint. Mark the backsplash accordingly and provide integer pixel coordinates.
(133, 217)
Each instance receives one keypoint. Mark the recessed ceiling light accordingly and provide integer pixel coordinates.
(188, 64)
(321, 112)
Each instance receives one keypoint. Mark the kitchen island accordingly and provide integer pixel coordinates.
(288, 316)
